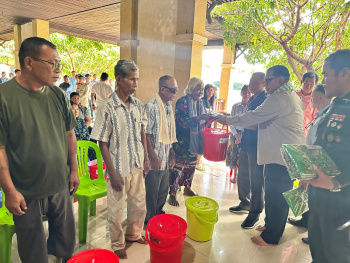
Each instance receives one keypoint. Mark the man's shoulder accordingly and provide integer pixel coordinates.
(7, 86)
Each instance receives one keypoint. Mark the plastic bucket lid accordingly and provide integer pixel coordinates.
(201, 204)
(96, 255)
(167, 225)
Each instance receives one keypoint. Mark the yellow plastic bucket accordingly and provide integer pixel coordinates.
(202, 215)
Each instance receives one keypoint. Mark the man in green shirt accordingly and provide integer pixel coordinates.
(38, 163)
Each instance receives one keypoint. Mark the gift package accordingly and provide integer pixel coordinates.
(299, 160)
(297, 200)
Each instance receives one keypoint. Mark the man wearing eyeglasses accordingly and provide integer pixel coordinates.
(161, 133)
(38, 169)
(280, 121)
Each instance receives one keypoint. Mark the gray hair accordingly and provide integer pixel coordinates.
(192, 84)
(123, 67)
(260, 75)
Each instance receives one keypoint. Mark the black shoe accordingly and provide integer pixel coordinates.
(305, 240)
(238, 209)
(297, 222)
(249, 223)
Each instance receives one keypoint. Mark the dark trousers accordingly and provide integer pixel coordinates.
(277, 181)
(327, 244)
(157, 184)
(251, 184)
(32, 244)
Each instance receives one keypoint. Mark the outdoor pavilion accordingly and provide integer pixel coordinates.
(162, 37)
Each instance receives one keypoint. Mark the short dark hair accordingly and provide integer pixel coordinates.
(65, 76)
(73, 71)
(310, 75)
(280, 71)
(164, 79)
(31, 47)
(73, 103)
(339, 60)
(17, 70)
(87, 75)
(123, 67)
(73, 94)
(320, 88)
(104, 76)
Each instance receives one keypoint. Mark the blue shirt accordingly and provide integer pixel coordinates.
(72, 81)
(249, 141)
(4, 80)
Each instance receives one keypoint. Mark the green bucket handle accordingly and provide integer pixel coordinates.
(154, 247)
(206, 221)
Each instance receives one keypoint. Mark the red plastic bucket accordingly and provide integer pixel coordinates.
(93, 171)
(165, 235)
(215, 143)
(96, 255)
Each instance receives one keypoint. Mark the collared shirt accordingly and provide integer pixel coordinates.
(153, 128)
(121, 127)
(333, 135)
(311, 134)
(249, 141)
(83, 90)
(237, 109)
(280, 121)
(4, 80)
(72, 81)
(309, 111)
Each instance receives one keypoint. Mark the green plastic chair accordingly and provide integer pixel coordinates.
(7, 229)
(89, 190)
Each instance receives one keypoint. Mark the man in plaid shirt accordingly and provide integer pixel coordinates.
(160, 135)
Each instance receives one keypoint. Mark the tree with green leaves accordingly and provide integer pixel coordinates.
(6, 53)
(85, 56)
(299, 34)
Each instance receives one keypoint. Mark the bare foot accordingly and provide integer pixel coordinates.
(172, 201)
(259, 241)
(121, 254)
(260, 228)
(141, 240)
(189, 192)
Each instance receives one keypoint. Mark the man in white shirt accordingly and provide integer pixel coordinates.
(102, 90)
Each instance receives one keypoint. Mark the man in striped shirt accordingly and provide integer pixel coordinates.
(160, 134)
(120, 129)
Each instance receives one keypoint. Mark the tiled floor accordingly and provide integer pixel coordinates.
(230, 244)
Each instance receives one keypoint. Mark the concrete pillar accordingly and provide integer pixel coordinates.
(170, 43)
(35, 28)
(226, 67)
(190, 40)
(128, 29)
(18, 41)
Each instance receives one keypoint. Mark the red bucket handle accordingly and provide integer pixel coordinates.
(150, 242)
(213, 119)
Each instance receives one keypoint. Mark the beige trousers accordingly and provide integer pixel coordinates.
(134, 190)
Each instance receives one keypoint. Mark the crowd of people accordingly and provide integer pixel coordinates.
(151, 149)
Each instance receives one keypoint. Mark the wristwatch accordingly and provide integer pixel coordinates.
(336, 186)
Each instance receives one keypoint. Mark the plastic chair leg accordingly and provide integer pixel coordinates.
(93, 208)
(6, 233)
(83, 213)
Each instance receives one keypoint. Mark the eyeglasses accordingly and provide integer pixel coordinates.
(267, 81)
(55, 65)
(171, 90)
